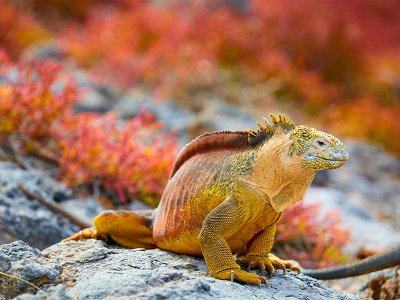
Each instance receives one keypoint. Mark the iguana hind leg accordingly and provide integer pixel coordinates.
(127, 228)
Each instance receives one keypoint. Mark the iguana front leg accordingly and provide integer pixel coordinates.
(221, 223)
(258, 252)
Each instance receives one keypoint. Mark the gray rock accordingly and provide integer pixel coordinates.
(322, 178)
(5, 262)
(94, 97)
(174, 117)
(10, 76)
(34, 180)
(57, 292)
(356, 217)
(381, 285)
(226, 116)
(216, 114)
(27, 263)
(92, 101)
(93, 270)
(372, 178)
(25, 219)
(49, 50)
(85, 209)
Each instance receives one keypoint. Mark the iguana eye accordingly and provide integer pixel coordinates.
(321, 143)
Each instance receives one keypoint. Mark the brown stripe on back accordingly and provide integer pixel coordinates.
(216, 140)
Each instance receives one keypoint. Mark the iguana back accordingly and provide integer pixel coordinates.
(201, 179)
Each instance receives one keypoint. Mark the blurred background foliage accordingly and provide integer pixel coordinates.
(336, 64)
(332, 64)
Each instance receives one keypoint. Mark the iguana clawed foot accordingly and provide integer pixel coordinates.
(241, 276)
(268, 264)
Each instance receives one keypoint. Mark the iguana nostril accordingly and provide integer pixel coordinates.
(340, 155)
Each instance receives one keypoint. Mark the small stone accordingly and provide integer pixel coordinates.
(27, 263)
(61, 196)
(92, 101)
(57, 292)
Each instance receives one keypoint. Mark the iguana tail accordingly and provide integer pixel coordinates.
(387, 259)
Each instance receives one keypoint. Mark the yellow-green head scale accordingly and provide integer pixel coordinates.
(319, 150)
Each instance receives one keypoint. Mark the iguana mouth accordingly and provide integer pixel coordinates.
(332, 159)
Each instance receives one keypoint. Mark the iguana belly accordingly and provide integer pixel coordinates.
(185, 204)
(187, 241)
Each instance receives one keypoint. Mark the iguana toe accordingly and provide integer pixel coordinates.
(268, 263)
(261, 263)
(241, 276)
(87, 233)
(283, 264)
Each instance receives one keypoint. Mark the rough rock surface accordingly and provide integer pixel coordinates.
(371, 178)
(85, 209)
(57, 292)
(25, 219)
(170, 114)
(384, 285)
(93, 270)
(20, 260)
(356, 218)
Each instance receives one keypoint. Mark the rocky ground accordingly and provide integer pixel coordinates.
(92, 270)
(25, 219)
(382, 285)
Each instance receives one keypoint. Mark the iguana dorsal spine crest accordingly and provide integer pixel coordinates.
(235, 140)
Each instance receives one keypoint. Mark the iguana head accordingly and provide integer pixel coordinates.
(318, 150)
(309, 147)
(288, 157)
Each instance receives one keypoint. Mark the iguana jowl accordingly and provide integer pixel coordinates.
(226, 193)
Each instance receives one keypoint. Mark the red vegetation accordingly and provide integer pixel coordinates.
(133, 159)
(19, 29)
(326, 56)
(314, 240)
(31, 103)
(327, 59)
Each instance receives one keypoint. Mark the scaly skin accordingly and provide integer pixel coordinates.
(226, 193)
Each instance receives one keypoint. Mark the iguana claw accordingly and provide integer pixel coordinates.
(268, 264)
(241, 276)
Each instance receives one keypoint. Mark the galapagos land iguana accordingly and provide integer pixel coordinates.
(225, 195)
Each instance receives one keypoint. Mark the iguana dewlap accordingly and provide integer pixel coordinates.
(225, 196)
